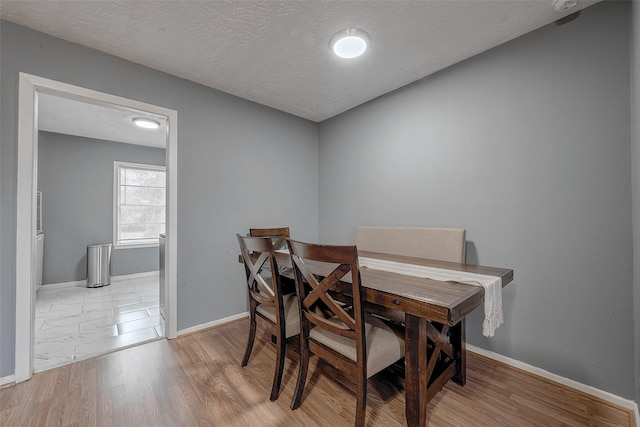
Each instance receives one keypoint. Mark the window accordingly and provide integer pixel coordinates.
(139, 204)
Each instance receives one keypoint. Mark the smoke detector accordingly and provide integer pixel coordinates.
(563, 5)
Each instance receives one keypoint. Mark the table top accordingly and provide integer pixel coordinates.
(441, 302)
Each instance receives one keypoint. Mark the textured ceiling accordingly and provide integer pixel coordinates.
(276, 52)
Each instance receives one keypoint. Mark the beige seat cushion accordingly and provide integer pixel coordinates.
(444, 244)
(385, 345)
(291, 314)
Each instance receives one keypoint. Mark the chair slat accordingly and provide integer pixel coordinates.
(336, 328)
(278, 235)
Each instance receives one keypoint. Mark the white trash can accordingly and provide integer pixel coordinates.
(99, 265)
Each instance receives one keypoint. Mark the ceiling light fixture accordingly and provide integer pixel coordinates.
(349, 43)
(146, 123)
(563, 5)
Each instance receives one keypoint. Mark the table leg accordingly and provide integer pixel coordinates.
(458, 341)
(415, 370)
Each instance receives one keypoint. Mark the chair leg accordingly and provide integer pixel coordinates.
(302, 372)
(361, 404)
(252, 332)
(281, 352)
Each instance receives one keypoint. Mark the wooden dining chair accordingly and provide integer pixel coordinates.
(278, 235)
(343, 335)
(267, 302)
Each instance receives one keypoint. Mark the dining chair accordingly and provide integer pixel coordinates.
(278, 235)
(267, 302)
(343, 335)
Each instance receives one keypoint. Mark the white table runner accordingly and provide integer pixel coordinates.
(492, 285)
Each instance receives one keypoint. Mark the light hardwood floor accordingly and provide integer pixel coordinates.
(196, 380)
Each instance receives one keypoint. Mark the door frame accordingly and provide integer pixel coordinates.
(29, 87)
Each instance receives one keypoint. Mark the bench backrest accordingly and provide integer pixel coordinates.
(444, 244)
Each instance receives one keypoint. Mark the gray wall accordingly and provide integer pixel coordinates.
(240, 165)
(635, 161)
(527, 147)
(75, 175)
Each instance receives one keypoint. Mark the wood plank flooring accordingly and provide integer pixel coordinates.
(196, 380)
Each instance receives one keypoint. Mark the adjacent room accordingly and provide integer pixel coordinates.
(511, 125)
(83, 311)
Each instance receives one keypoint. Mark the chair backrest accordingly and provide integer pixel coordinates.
(444, 244)
(261, 270)
(318, 270)
(278, 235)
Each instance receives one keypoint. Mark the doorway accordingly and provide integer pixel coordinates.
(31, 87)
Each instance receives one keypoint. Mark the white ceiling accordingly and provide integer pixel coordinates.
(70, 117)
(276, 53)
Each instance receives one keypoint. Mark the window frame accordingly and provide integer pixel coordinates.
(147, 243)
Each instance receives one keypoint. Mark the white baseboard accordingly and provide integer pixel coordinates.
(604, 395)
(155, 273)
(211, 324)
(61, 285)
(84, 282)
(7, 380)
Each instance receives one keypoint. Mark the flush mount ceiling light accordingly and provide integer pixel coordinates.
(349, 43)
(146, 123)
(563, 5)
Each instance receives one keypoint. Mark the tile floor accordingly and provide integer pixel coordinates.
(77, 322)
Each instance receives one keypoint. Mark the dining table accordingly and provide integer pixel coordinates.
(433, 313)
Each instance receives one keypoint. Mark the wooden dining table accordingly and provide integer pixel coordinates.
(433, 313)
